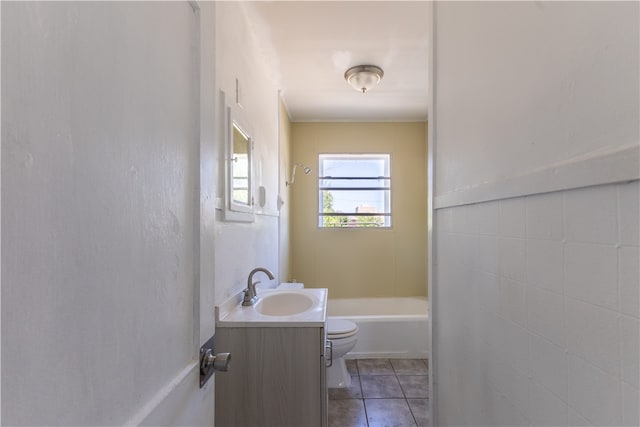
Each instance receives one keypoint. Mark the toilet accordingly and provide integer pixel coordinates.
(343, 335)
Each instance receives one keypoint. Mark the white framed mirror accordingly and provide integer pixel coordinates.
(239, 197)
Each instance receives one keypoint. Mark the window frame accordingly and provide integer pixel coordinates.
(386, 216)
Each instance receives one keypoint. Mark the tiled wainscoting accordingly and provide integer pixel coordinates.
(383, 392)
(538, 309)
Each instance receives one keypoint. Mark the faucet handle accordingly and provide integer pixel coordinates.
(250, 297)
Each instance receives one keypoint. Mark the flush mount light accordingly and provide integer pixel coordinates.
(363, 77)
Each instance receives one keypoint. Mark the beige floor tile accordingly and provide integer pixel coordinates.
(388, 413)
(414, 386)
(380, 386)
(347, 413)
(419, 410)
(409, 366)
(375, 367)
(352, 366)
(353, 392)
(383, 393)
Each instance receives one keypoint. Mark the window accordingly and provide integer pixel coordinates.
(354, 191)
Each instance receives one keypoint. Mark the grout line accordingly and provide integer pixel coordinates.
(395, 374)
(563, 288)
(619, 302)
(364, 405)
(415, 420)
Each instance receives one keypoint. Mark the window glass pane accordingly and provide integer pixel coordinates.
(354, 190)
(355, 183)
(240, 170)
(354, 201)
(350, 165)
(341, 221)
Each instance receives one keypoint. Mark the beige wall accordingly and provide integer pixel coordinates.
(284, 232)
(362, 262)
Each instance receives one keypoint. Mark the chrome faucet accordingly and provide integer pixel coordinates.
(250, 296)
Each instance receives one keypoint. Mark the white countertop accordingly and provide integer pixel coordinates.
(231, 313)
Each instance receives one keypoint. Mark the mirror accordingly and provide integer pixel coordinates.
(238, 169)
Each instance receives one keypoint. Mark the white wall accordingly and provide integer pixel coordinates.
(100, 234)
(537, 309)
(240, 247)
(535, 293)
(522, 86)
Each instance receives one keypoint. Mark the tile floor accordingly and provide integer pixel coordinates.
(383, 393)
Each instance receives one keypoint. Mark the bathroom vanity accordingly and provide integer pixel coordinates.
(277, 372)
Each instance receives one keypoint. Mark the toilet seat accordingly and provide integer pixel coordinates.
(340, 328)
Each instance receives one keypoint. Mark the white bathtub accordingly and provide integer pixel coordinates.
(388, 327)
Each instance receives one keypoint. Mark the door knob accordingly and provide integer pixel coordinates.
(211, 362)
(217, 362)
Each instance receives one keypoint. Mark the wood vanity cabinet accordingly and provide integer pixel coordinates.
(276, 377)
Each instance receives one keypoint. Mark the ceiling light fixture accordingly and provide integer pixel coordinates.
(363, 77)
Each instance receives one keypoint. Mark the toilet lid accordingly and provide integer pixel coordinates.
(341, 327)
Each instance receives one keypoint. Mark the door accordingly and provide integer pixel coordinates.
(101, 215)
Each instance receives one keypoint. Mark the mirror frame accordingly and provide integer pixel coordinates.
(234, 210)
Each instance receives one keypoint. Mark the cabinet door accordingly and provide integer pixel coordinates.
(274, 377)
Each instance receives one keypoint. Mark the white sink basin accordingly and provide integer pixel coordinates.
(284, 304)
(275, 308)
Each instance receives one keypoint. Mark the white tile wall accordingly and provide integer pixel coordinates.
(629, 264)
(628, 202)
(462, 219)
(594, 335)
(591, 215)
(594, 394)
(630, 350)
(512, 217)
(545, 264)
(545, 314)
(489, 253)
(517, 387)
(591, 273)
(544, 216)
(488, 218)
(513, 303)
(514, 343)
(546, 409)
(630, 406)
(446, 220)
(489, 285)
(555, 325)
(549, 366)
(577, 420)
(512, 258)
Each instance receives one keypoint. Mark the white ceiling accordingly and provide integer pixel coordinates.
(310, 44)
